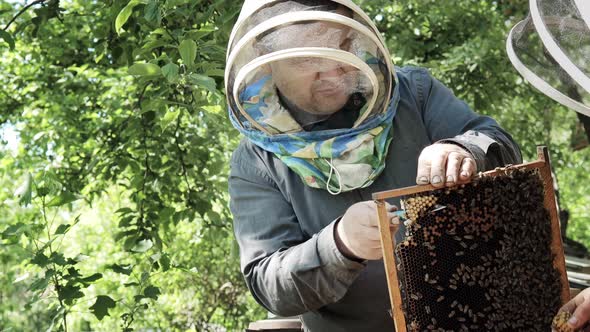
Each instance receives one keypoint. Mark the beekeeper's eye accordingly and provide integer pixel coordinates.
(304, 63)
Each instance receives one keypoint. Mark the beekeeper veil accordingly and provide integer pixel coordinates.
(313, 83)
(551, 50)
(291, 64)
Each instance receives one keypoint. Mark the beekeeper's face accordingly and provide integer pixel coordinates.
(306, 58)
(317, 85)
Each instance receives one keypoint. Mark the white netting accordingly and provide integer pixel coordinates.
(551, 49)
(295, 63)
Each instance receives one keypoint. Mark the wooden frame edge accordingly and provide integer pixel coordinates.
(551, 206)
(428, 187)
(388, 243)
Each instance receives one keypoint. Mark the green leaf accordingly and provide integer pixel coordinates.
(170, 116)
(57, 314)
(144, 69)
(142, 246)
(39, 284)
(62, 229)
(40, 259)
(148, 46)
(124, 14)
(64, 198)
(24, 192)
(160, 261)
(73, 273)
(202, 206)
(170, 71)
(47, 244)
(12, 230)
(58, 258)
(165, 214)
(151, 292)
(203, 81)
(213, 217)
(155, 257)
(152, 11)
(91, 278)
(125, 222)
(188, 52)
(165, 262)
(101, 307)
(131, 240)
(215, 72)
(69, 293)
(7, 38)
(235, 250)
(124, 210)
(123, 269)
(176, 3)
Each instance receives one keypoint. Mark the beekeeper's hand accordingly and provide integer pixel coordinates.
(445, 165)
(357, 233)
(579, 307)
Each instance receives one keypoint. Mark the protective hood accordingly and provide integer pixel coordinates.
(294, 63)
(312, 82)
(551, 50)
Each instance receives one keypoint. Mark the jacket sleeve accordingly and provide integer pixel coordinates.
(286, 272)
(450, 120)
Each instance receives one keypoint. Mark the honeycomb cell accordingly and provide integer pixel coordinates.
(560, 322)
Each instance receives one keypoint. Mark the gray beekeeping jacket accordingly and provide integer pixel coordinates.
(285, 229)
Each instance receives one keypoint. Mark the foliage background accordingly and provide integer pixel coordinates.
(115, 142)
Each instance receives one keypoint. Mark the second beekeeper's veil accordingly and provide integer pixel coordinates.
(551, 50)
(294, 63)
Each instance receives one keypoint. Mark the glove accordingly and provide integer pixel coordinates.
(357, 233)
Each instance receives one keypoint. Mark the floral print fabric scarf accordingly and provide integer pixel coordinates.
(337, 160)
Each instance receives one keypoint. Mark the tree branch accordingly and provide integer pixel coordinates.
(25, 8)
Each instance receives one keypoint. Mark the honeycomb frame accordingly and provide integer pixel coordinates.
(407, 301)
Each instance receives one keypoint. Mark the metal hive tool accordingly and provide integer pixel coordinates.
(485, 256)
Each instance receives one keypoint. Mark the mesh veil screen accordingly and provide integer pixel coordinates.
(550, 48)
(478, 257)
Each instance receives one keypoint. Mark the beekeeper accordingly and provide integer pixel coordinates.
(327, 121)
